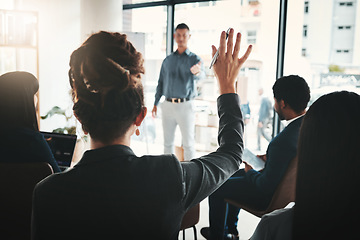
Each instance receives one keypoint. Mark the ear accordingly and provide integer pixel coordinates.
(282, 104)
(174, 35)
(141, 116)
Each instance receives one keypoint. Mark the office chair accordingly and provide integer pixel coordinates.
(190, 219)
(17, 182)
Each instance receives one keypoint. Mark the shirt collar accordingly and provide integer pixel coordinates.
(286, 123)
(187, 51)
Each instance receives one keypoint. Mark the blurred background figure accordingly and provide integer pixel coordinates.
(265, 117)
(245, 110)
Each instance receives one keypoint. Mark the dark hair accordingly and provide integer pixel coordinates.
(182, 26)
(327, 198)
(105, 76)
(17, 109)
(293, 90)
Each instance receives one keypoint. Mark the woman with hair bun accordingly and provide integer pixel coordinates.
(111, 193)
(20, 139)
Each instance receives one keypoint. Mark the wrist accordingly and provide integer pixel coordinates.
(227, 89)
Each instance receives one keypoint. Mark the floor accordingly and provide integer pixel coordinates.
(246, 226)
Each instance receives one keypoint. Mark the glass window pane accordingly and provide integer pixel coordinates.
(149, 37)
(332, 59)
(258, 23)
(138, 1)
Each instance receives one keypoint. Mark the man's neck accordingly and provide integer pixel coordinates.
(294, 115)
(180, 50)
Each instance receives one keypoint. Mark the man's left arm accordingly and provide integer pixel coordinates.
(276, 165)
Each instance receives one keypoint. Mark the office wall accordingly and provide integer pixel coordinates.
(63, 26)
(100, 15)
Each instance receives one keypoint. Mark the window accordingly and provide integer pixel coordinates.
(205, 29)
(344, 27)
(251, 37)
(315, 53)
(349, 4)
(149, 37)
(342, 50)
(303, 52)
(253, 2)
(306, 7)
(305, 29)
(323, 48)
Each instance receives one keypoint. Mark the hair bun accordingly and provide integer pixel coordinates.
(96, 66)
(105, 75)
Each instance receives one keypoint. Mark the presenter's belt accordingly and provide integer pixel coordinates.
(177, 100)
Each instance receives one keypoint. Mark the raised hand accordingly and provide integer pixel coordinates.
(227, 65)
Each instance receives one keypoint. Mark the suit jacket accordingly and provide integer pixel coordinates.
(113, 194)
(281, 150)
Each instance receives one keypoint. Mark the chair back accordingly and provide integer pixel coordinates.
(191, 217)
(284, 193)
(17, 182)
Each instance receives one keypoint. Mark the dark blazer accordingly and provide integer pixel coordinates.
(113, 194)
(25, 145)
(281, 150)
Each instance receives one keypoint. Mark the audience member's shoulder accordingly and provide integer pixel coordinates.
(24, 132)
(167, 159)
(282, 214)
(51, 180)
(275, 225)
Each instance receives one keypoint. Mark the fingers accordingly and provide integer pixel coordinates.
(213, 50)
(230, 44)
(222, 44)
(237, 46)
(246, 55)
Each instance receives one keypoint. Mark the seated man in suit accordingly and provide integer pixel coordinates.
(256, 188)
